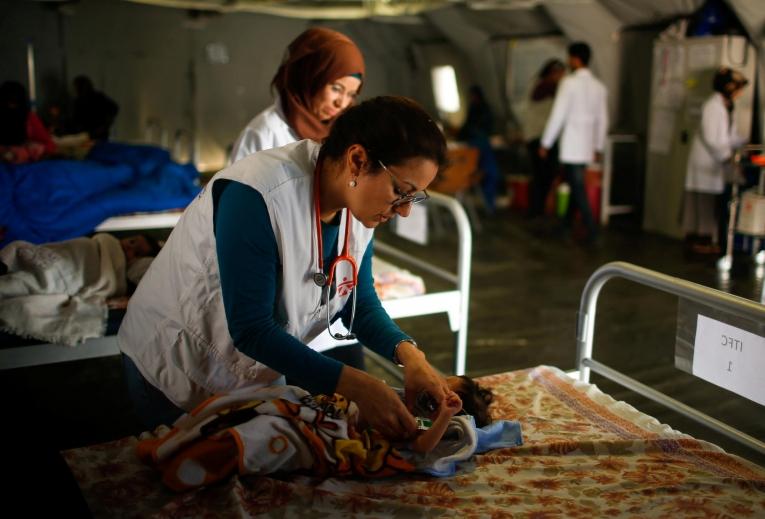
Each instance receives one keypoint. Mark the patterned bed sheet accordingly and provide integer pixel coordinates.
(585, 455)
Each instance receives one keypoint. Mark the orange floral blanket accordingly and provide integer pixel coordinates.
(585, 455)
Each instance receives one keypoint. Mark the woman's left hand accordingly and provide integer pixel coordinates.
(420, 376)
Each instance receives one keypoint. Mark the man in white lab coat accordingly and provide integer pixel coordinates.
(580, 112)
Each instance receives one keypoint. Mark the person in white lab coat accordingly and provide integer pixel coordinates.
(580, 117)
(320, 77)
(711, 152)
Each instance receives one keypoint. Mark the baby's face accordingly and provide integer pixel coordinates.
(135, 247)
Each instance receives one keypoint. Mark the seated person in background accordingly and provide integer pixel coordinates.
(60, 292)
(477, 130)
(285, 429)
(23, 137)
(94, 112)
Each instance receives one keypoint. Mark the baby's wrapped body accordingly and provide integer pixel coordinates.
(284, 429)
(57, 292)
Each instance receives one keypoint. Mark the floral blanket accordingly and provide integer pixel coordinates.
(258, 431)
(584, 455)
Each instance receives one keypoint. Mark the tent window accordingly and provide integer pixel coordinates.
(445, 89)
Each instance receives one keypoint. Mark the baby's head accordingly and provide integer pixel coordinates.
(138, 246)
(475, 399)
(139, 250)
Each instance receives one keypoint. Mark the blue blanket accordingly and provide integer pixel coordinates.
(56, 200)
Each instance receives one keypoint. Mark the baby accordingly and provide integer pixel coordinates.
(465, 397)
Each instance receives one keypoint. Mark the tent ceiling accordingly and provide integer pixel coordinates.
(493, 14)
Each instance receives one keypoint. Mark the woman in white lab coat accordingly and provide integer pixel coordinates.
(320, 77)
(711, 153)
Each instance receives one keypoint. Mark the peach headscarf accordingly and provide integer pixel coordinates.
(315, 58)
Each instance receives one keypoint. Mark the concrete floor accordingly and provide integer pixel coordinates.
(526, 285)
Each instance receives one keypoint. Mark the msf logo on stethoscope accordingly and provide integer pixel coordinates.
(344, 288)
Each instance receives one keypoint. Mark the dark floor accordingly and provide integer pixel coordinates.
(526, 285)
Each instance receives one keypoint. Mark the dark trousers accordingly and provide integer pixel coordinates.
(574, 174)
(543, 174)
(152, 407)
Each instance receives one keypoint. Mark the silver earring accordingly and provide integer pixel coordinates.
(352, 183)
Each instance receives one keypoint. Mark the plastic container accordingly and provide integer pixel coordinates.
(562, 197)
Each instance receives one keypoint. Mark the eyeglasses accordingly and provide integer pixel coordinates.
(404, 198)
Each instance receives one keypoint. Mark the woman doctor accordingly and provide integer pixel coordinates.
(320, 77)
(243, 281)
(712, 149)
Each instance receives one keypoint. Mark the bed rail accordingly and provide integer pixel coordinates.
(455, 302)
(692, 291)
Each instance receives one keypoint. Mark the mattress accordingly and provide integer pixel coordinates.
(584, 455)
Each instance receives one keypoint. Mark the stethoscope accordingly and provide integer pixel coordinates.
(320, 278)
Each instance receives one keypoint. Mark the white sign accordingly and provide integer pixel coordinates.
(730, 357)
(415, 226)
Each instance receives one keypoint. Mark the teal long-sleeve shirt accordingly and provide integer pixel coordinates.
(249, 265)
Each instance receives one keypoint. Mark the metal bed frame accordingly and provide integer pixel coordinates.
(692, 291)
(454, 302)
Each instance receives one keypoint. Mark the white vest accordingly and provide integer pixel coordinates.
(175, 329)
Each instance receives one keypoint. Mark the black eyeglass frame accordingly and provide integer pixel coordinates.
(413, 198)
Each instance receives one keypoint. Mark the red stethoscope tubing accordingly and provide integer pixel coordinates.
(344, 255)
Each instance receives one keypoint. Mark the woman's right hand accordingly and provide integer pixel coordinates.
(380, 406)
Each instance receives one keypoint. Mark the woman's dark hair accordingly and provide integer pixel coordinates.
(154, 245)
(549, 66)
(392, 129)
(726, 81)
(475, 400)
(14, 109)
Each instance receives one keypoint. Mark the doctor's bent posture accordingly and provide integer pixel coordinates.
(320, 77)
(276, 246)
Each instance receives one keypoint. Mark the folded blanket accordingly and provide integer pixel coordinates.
(285, 429)
(462, 439)
(57, 292)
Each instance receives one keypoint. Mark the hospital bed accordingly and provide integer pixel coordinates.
(453, 302)
(584, 454)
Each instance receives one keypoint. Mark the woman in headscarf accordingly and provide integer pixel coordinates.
(320, 77)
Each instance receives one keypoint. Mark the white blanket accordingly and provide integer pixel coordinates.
(57, 292)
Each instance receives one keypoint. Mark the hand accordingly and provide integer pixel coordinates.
(450, 405)
(378, 404)
(419, 376)
(543, 152)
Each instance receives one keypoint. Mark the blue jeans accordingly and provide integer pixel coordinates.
(151, 405)
(487, 163)
(575, 178)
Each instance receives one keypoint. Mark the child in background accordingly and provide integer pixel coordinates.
(60, 291)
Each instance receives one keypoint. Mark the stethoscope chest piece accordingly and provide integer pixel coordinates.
(320, 278)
